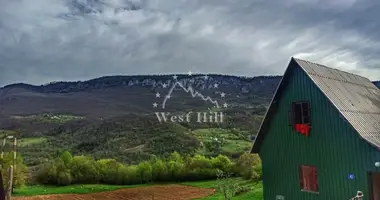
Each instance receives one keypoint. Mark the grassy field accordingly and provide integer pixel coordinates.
(71, 189)
(49, 118)
(254, 193)
(3, 133)
(233, 143)
(31, 141)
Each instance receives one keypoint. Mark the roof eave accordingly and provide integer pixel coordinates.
(271, 110)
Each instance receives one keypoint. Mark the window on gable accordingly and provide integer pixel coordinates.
(308, 178)
(301, 113)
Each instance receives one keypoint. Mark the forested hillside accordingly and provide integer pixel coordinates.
(113, 117)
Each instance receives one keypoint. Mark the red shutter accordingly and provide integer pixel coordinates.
(302, 184)
(308, 178)
(312, 179)
(304, 129)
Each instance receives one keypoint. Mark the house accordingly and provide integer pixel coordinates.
(320, 138)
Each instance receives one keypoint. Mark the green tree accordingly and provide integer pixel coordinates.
(221, 162)
(109, 170)
(20, 171)
(216, 142)
(199, 161)
(144, 169)
(175, 156)
(67, 158)
(84, 170)
(47, 174)
(159, 170)
(247, 164)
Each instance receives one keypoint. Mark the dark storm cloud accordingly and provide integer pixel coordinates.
(50, 40)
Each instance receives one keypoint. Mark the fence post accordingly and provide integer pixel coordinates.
(14, 161)
(10, 183)
(2, 147)
(2, 188)
(2, 191)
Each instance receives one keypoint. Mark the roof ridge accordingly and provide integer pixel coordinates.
(350, 82)
(340, 71)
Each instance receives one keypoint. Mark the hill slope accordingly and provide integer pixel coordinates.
(114, 117)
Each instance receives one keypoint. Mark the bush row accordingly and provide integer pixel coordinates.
(68, 169)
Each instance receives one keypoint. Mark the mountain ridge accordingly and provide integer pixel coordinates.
(122, 80)
(109, 96)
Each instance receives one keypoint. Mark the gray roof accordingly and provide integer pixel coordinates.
(355, 97)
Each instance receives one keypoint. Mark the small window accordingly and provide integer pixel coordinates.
(301, 113)
(308, 178)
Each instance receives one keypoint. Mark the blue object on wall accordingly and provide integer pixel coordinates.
(351, 176)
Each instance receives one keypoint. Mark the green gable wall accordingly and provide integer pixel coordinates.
(332, 146)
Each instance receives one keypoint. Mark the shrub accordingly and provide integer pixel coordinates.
(257, 172)
(241, 189)
(226, 185)
(248, 166)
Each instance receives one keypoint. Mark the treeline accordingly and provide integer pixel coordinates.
(68, 169)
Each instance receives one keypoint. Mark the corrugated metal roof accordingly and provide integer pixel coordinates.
(356, 97)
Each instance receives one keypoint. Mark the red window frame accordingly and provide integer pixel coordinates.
(301, 112)
(308, 178)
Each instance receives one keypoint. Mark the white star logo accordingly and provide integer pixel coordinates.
(222, 94)
(216, 85)
(155, 105)
(158, 95)
(175, 77)
(205, 77)
(225, 105)
(164, 85)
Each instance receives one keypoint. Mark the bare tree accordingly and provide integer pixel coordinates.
(226, 185)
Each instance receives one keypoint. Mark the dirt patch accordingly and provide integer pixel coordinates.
(167, 192)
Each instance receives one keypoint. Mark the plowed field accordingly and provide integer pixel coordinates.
(166, 192)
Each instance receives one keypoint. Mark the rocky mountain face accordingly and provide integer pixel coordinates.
(117, 95)
(202, 82)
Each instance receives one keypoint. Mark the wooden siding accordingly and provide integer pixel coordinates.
(332, 146)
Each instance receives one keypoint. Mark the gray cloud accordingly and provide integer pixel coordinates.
(50, 40)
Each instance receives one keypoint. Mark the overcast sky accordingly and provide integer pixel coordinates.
(52, 40)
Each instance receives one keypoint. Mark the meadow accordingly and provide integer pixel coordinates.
(255, 192)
